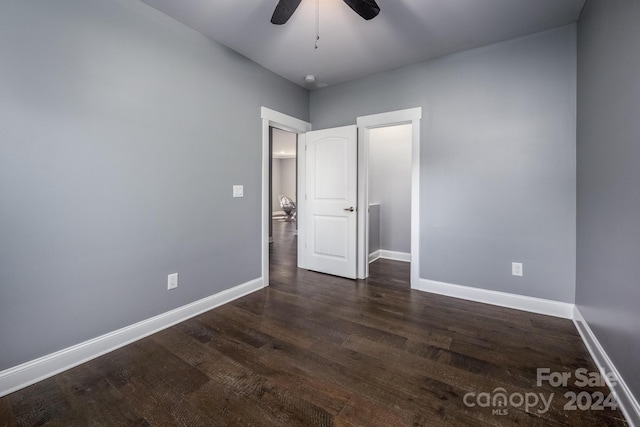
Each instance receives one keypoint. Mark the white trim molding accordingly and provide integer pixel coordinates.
(396, 256)
(301, 205)
(29, 373)
(392, 255)
(503, 299)
(389, 118)
(411, 116)
(272, 118)
(283, 121)
(626, 400)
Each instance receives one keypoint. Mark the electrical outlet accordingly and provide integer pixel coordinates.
(172, 281)
(516, 269)
(238, 191)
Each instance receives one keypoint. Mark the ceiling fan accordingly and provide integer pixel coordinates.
(367, 9)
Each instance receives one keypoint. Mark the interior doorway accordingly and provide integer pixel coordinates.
(283, 189)
(283, 179)
(273, 120)
(365, 124)
(389, 188)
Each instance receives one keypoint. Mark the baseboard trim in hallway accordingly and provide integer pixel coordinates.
(392, 255)
(29, 373)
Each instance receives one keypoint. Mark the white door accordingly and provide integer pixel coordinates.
(331, 197)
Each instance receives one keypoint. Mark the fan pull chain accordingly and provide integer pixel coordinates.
(317, 22)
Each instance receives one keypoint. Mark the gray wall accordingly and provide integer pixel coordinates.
(608, 290)
(275, 185)
(122, 132)
(390, 185)
(374, 227)
(497, 159)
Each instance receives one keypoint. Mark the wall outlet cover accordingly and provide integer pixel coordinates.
(172, 281)
(516, 269)
(238, 191)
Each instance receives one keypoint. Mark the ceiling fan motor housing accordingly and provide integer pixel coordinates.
(367, 9)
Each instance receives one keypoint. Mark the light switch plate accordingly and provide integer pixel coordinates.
(238, 191)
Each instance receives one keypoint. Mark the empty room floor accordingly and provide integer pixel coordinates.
(313, 349)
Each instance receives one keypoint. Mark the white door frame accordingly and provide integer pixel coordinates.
(365, 124)
(272, 118)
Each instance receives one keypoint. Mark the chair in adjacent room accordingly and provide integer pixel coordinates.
(288, 206)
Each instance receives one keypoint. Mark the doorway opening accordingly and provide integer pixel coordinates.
(389, 193)
(283, 197)
(272, 119)
(367, 126)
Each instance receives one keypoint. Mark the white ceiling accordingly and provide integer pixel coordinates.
(405, 32)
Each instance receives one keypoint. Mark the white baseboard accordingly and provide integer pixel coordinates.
(626, 400)
(28, 373)
(396, 256)
(393, 255)
(503, 299)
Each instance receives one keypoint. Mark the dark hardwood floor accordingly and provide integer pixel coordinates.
(319, 350)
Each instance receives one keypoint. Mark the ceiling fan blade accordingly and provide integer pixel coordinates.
(368, 9)
(284, 10)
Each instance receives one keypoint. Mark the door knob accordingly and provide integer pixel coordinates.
(351, 209)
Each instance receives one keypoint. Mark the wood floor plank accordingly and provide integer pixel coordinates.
(38, 404)
(187, 415)
(296, 331)
(94, 401)
(7, 419)
(399, 328)
(330, 398)
(155, 366)
(156, 406)
(434, 397)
